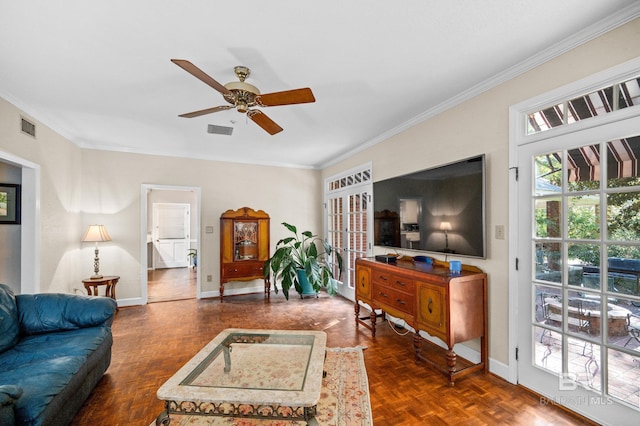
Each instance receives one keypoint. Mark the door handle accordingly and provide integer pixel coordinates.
(430, 306)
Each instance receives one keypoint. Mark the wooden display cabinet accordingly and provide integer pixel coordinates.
(244, 247)
(429, 298)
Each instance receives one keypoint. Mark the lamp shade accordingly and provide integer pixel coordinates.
(96, 233)
(445, 226)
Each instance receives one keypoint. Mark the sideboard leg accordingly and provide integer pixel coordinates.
(373, 318)
(417, 346)
(452, 359)
(356, 309)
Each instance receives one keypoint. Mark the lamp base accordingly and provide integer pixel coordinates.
(96, 277)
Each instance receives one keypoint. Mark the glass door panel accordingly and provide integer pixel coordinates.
(584, 207)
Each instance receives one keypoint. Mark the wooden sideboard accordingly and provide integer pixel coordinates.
(451, 307)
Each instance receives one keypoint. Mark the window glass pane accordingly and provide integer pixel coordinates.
(624, 323)
(622, 162)
(599, 102)
(624, 272)
(631, 91)
(583, 168)
(583, 313)
(583, 362)
(548, 174)
(623, 217)
(548, 217)
(583, 217)
(548, 341)
(548, 262)
(623, 377)
(584, 265)
(548, 350)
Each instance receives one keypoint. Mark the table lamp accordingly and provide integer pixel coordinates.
(96, 233)
(445, 226)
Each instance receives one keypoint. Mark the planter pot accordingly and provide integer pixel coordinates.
(307, 288)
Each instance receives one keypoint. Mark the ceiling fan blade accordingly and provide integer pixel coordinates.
(288, 97)
(201, 75)
(205, 111)
(261, 119)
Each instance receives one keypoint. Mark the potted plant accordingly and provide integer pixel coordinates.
(193, 254)
(298, 263)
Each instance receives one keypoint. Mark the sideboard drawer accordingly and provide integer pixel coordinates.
(394, 281)
(388, 297)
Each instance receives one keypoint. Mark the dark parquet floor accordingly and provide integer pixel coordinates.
(152, 342)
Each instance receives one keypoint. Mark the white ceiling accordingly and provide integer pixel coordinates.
(99, 72)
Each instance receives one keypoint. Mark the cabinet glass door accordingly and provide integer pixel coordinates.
(245, 240)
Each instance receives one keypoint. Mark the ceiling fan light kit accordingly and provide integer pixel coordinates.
(244, 96)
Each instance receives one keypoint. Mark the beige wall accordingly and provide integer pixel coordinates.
(60, 175)
(79, 187)
(111, 188)
(481, 125)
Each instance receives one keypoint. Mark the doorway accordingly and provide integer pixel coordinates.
(22, 273)
(575, 244)
(171, 228)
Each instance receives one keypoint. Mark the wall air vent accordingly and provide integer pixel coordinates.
(28, 127)
(219, 130)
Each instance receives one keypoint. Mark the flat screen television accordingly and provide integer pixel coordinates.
(441, 209)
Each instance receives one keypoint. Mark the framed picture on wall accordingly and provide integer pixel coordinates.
(9, 203)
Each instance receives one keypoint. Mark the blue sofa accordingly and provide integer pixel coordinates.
(54, 348)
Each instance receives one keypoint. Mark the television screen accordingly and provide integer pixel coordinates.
(440, 210)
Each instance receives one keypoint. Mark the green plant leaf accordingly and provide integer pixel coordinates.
(290, 227)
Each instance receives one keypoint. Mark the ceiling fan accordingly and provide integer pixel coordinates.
(244, 96)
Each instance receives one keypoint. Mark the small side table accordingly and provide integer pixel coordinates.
(109, 281)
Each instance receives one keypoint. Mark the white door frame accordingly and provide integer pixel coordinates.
(345, 287)
(593, 129)
(144, 189)
(30, 223)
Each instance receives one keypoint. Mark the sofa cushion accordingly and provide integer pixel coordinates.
(9, 321)
(81, 342)
(41, 381)
(48, 312)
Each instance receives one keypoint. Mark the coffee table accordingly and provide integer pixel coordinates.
(266, 374)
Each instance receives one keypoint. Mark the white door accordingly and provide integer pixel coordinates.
(348, 222)
(171, 239)
(578, 201)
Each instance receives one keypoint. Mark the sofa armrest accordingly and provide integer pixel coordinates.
(9, 394)
(47, 312)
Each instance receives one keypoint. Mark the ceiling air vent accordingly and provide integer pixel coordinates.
(28, 127)
(219, 130)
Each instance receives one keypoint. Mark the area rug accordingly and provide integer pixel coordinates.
(344, 398)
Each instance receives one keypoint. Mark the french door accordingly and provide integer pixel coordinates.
(578, 275)
(348, 223)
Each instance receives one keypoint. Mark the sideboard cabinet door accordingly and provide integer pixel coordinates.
(432, 304)
(363, 285)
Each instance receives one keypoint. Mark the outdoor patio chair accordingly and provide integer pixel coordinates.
(633, 330)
